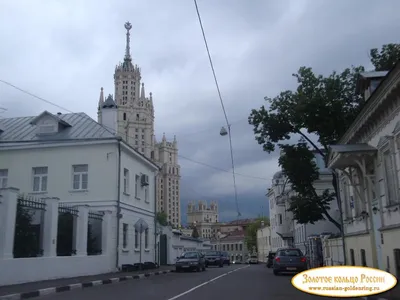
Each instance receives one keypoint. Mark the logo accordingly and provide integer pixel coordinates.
(344, 281)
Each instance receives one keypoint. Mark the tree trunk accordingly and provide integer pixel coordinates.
(326, 213)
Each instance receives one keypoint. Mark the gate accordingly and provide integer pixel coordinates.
(163, 250)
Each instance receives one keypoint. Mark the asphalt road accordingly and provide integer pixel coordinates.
(236, 282)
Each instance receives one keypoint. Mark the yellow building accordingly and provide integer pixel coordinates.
(367, 159)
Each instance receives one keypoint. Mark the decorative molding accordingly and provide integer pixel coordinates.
(388, 84)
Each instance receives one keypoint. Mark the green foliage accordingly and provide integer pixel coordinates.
(251, 232)
(26, 239)
(324, 106)
(162, 218)
(195, 233)
(386, 58)
(307, 205)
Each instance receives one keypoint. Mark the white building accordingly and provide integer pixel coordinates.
(284, 230)
(177, 243)
(264, 245)
(233, 243)
(368, 160)
(131, 115)
(75, 159)
(204, 217)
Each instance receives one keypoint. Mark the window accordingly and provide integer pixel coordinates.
(126, 181)
(3, 178)
(390, 178)
(136, 239)
(40, 179)
(137, 178)
(280, 219)
(363, 258)
(352, 259)
(240, 247)
(80, 177)
(124, 116)
(124, 235)
(146, 238)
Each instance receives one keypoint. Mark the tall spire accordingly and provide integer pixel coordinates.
(128, 26)
(101, 99)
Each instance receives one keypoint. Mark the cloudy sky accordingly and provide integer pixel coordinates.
(64, 51)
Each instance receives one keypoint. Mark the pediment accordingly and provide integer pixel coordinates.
(48, 123)
(46, 117)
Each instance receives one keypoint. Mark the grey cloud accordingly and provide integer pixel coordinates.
(65, 51)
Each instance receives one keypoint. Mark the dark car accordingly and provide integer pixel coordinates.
(227, 259)
(214, 258)
(270, 259)
(289, 260)
(190, 261)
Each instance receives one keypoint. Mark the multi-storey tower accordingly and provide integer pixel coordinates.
(135, 124)
(204, 217)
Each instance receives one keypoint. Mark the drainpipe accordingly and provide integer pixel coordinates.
(118, 202)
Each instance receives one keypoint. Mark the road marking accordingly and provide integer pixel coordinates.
(205, 283)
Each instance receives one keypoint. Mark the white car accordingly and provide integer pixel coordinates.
(253, 259)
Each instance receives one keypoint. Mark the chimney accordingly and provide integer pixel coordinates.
(262, 223)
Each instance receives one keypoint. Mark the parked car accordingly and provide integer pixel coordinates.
(190, 261)
(289, 260)
(253, 259)
(214, 258)
(270, 259)
(227, 259)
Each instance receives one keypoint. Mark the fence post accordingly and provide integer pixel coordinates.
(8, 213)
(106, 231)
(81, 233)
(50, 229)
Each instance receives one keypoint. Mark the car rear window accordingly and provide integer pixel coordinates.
(290, 252)
(189, 255)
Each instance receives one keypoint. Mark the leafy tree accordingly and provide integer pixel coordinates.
(195, 233)
(26, 242)
(251, 232)
(386, 58)
(307, 205)
(324, 107)
(162, 218)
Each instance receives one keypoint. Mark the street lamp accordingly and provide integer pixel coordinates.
(223, 131)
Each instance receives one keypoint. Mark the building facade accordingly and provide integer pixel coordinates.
(233, 243)
(285, 231)
(79, 162)
(367, 159)
(263, 243)
(204, 217)
(130, 115)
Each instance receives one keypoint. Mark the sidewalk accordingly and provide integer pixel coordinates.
(39, 288)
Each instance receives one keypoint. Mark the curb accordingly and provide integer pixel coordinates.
(83, 285)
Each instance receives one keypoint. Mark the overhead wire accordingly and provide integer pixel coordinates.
(223, 107)
(148, 146)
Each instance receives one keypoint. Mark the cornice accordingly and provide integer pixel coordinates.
(373, 104)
